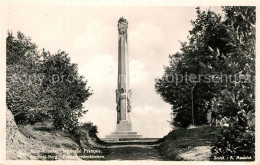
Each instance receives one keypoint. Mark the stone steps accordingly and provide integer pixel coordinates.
(123, 136)
(126, 132)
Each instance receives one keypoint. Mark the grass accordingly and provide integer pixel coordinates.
(43, 138)
(188, 144)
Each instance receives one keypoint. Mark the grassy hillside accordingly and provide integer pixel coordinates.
(42, 142)
(188, 144)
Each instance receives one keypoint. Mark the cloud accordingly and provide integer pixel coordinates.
(96, 39)
(101, 71)
(150, 121)
(146, 42)
(103, 117)
(137, 73)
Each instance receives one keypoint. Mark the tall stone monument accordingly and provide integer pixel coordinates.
(123, 92)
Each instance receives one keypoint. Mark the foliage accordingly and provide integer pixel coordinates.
(43, 86)
(235, 142)
(240, 95)
(196, 59)
(21, 50)
(221, 50)
(238, 99)
(66, 88)
(23, 83)
(92, 129)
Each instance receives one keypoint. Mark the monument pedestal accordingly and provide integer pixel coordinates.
(124, 126)
(123, 132)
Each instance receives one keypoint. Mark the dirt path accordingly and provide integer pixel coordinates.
(133, 152)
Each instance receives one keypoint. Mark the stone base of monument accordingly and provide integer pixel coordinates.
(123, 135)
(124, 126)
(123, 132)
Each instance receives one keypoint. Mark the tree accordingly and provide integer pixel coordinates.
(66, 89)
(195, 59)
(33, 92)
(238, 100)
(218, 48)
(23, 81)
(21, 50)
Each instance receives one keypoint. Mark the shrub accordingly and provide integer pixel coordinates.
(235, 142)
(92, 129)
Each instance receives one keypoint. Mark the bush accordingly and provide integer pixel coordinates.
(236, 142)
(92, 129)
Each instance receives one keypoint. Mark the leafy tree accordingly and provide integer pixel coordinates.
(238, 100)
(43, 86)
(21, 50)
(224, 46)
(23, 82)
(240, 23)
(66, 89)
(195, 59)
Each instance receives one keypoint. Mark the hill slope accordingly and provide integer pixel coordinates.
(38, 142)
(41, 143)
(188, 144)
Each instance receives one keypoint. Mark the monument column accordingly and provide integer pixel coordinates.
(123, 93)
(123, 70)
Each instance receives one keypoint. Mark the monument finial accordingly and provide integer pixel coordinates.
(122, 20)
(122, 25)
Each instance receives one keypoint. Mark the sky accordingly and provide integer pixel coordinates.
(89, 34)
